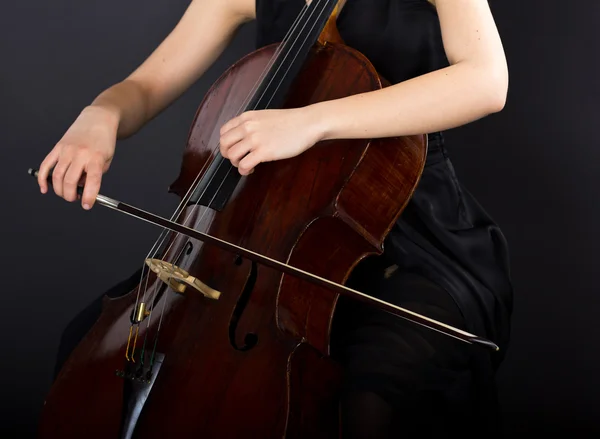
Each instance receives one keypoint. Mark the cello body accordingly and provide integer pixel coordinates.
(255, 362)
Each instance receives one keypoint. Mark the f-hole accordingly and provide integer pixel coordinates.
(250, 339)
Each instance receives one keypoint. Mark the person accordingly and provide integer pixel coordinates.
(445, 258)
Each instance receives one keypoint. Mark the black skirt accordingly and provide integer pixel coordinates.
(445, 235)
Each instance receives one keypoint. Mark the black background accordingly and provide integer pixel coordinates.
(533, 166)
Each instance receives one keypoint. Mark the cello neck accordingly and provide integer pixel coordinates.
(314, 24)
(330, 33)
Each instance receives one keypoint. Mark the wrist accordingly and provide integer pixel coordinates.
(318, 122)
(108, 113)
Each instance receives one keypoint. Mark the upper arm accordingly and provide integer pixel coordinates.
(470, 36)
(469, 32)
(199, 37)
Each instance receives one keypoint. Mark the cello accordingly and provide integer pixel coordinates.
(226, 335)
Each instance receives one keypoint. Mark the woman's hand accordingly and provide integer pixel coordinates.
(83, 154)
(266, 135)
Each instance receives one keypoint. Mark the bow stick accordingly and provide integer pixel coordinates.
(293, 271)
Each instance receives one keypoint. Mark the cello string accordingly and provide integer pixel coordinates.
(269, 84)
(319, 15)
(244, 104)
(194, 185)
(263, 94)
(265, 90)
(281, 48)
(292, 63)
(278, 86)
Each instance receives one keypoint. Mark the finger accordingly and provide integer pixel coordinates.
(58, 174)
(248, 163)
(92, 185)
(72, 177)
(236, 121)
(229, 139)
(45, 168)
(239, 150)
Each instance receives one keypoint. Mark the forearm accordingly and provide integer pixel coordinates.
(440, 100)
(183, 56)
(126, 102)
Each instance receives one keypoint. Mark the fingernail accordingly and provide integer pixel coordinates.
(86, 206)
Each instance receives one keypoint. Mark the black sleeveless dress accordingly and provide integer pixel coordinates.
(451, 258)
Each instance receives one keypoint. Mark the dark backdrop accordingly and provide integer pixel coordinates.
(533, 166)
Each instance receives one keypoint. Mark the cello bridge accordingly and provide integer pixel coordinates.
(179, 280)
